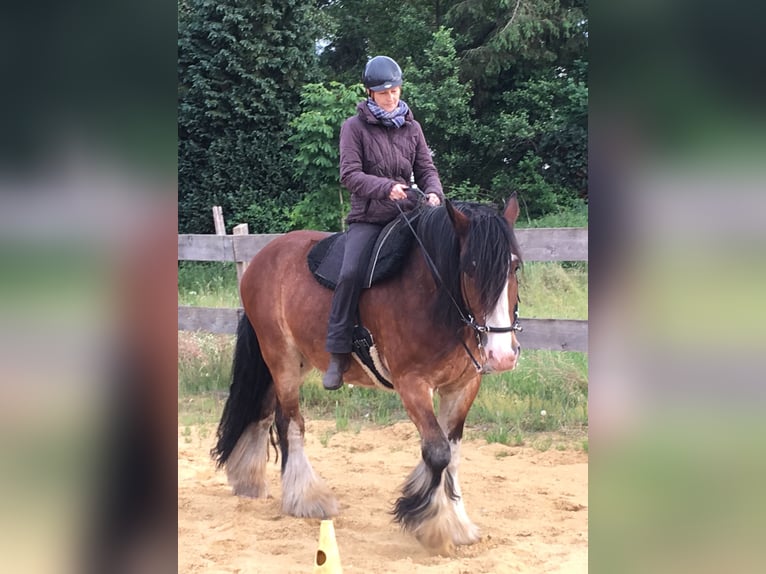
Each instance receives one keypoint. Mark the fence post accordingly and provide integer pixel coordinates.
(220, 228)
(240, 229)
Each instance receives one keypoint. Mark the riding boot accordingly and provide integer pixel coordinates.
(333, 378)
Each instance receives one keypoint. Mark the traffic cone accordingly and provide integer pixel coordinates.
(327, 560)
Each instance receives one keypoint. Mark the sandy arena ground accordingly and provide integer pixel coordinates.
(531, 507)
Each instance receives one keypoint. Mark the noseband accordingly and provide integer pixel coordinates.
(481, 332)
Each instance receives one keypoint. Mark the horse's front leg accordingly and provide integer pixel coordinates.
(426, 507)
(456, 401)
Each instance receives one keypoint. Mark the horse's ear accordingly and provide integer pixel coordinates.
(511, 212)
(459, 221)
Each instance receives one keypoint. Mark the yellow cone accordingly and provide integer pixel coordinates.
(327, 560)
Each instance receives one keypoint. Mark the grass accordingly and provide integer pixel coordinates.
(549, 290)
(547, 393)
(207, 284)
(204, 362)
(577, 216)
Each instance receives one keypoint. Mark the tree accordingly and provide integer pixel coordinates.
(501, 92)
(360, 29)
(502, 43)
(441, 103)
(315, 163)
(527, 65)
(241, 66)
(539, 143)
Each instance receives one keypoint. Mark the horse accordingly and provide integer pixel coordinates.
(447, 318)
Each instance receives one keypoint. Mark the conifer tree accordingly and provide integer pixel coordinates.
(241, 66)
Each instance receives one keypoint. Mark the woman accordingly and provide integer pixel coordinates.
(382, 148)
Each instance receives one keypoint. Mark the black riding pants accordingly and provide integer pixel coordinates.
(360, 239)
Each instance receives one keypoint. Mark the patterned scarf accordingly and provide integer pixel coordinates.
(393, 119)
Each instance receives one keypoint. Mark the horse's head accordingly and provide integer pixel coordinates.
(489, 261)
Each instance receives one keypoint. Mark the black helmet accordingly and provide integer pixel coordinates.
(382, 73)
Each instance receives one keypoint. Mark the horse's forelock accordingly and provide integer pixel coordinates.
(487, 256)
(490, 244)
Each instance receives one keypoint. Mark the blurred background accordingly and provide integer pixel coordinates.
(88, 185)
(88, 220)
(677, 331)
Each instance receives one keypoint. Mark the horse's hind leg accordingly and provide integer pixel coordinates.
(243, 433)
(246, 467)
(304, 493)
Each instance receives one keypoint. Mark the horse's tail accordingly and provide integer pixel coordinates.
(251, 394)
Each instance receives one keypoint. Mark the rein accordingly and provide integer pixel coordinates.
(467, 318)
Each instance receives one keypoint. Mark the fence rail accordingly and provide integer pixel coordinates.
(548, 244)
(545, 244)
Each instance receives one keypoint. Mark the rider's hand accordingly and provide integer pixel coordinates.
(433, 199)
(398, 191)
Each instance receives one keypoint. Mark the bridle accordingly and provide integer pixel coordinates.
(480, 330)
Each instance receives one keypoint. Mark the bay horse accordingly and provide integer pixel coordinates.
(449, 316)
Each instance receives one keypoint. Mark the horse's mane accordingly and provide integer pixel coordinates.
(490, 244)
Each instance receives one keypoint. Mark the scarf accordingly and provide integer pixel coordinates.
(394, 119)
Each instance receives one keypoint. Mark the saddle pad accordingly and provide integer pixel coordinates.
(391, 248)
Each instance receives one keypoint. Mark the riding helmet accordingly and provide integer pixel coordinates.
(382, 73)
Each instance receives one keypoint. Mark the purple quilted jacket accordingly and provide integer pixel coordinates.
(374, 157)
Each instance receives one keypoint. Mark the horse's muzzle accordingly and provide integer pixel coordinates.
(504, 361)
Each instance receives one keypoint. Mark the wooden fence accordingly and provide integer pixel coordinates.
(552, 244)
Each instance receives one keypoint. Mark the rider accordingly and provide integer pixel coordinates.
(381, 148)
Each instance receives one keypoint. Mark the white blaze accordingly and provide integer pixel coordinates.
(501, 354)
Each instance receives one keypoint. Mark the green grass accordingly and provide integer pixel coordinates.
(207, 284)
(575, 217)
(350, 403)
(547, 393)
(204, 362)
(553, 290)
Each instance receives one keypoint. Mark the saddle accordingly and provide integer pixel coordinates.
(389, 252)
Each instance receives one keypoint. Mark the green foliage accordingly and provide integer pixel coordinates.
(267, 214)
(320, 210)
(544, 143)
(500, 89)
(466, 191)
(315, 136)
(441, 103)
(504, 42)
(577, 216)
(360, 29)
(240, 69)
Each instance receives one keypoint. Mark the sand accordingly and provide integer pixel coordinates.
(531, 507)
